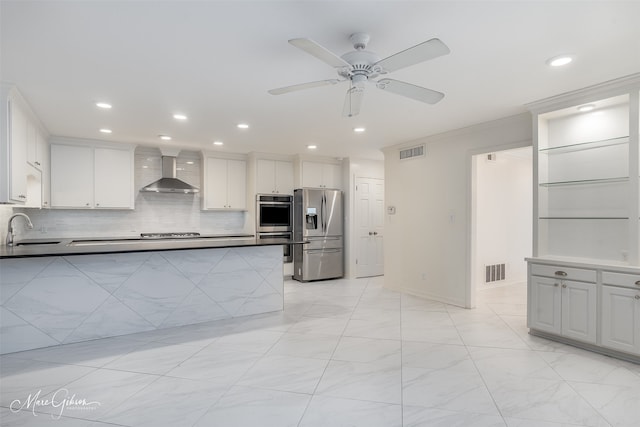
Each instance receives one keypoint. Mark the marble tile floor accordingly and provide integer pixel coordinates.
(343, 353)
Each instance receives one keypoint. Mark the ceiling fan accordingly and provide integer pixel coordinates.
(360, 66)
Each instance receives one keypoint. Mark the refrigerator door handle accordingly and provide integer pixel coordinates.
(323, 251)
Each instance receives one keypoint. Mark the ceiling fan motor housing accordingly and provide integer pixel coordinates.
(362, 64)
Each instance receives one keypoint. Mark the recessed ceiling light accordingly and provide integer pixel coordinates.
(165, 137)
(359, 130)
(312, 147)
(243, 126)
(104, 105)
(189, 162)
(559, 61)
(180, 117)
(585, 108)
(218, 143)
(105, 130)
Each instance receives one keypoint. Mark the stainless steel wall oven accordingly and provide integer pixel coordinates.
(274, 213)
(274, 219)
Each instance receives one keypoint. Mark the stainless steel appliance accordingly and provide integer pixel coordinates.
(274, 220)
(287, 255)
(274, 213)
(318, 219)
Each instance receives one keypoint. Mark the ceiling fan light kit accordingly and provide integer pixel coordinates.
(361, 66)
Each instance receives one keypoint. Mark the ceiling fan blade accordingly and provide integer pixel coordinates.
(410, 91)
(320, 52)
(353, 101)
(414, 55)
(301, 86)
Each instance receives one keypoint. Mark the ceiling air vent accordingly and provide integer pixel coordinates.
(412, 152)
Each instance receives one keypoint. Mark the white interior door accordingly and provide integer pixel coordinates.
(369, 223)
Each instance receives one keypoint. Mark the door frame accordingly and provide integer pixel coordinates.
(472, 226)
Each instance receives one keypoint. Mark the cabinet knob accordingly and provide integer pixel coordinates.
(556, 285)
(375, 233)
(97, 204)
(370, 233)
(561, 273)
(564, 286)
(637, 296)
(87, 204)
(45, 203)
(638, 283)
(22, 196)
(38, 163)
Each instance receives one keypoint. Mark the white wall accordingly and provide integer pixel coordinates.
(352, 169)
(427, 246)
(503, 214)
(154, 212)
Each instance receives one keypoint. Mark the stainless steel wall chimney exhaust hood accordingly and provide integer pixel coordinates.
(169, 183)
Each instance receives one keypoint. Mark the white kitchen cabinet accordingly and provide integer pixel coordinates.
(13, 149)
(545, 305)
(274, 177)
(579, 314)
(321, 175)
(22, 151)
(113, 178)
(620, 322)
(89, 176)
(36, 146)
(225, 184)
(562, 306)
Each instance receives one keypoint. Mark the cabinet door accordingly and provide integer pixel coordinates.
(18, 154)
(236, 184)
(545, 305)
(284, 177)
(620, 322)
(312, 174)
(332, 175)
(113, 178)
(266, 176)
(579, 311)
(71, 176)
(216, 184)
(32, 145)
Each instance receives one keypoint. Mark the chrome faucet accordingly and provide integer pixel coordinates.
(10, 234)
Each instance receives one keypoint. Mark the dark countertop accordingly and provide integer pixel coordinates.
(85, 246)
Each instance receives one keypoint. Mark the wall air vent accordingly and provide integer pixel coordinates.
(494, 273)
(408, 153)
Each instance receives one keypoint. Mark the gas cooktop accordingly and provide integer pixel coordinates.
(168, 235)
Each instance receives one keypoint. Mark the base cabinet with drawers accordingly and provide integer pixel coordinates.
(594, 305)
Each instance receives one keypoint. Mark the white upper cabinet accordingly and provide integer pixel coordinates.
(20, 142)
(113, 174)
(225, 183)
(321, 175)
(274, 176)
(90, 176)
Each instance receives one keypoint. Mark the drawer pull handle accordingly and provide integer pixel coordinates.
(638, 283)
(561, 273)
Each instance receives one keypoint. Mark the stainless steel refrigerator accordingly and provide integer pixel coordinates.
(318, 219)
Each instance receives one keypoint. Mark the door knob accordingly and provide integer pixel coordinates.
(370, 233)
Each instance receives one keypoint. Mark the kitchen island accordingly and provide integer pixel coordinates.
(77, 290)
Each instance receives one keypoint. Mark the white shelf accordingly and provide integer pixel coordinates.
(590, 145)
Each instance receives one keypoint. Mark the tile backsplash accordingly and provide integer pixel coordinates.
(154, 212)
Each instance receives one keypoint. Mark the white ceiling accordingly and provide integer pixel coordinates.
(215, 61)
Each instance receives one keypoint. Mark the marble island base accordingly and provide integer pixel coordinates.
(47, 301)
